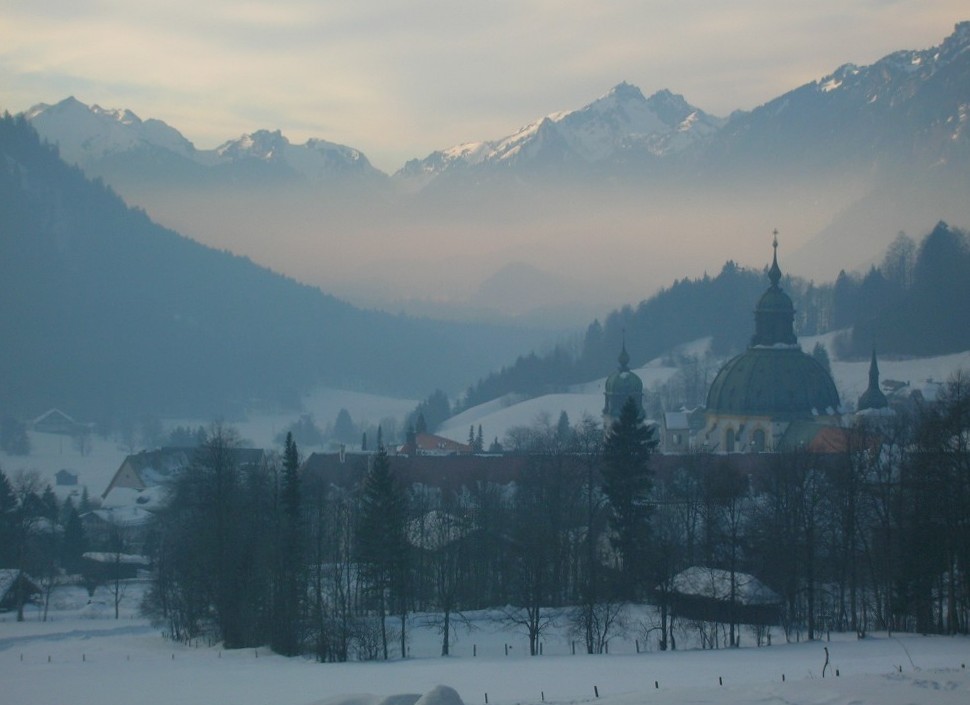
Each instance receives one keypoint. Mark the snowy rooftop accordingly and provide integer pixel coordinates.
(715, 584)
(122, 517)
(123, 558)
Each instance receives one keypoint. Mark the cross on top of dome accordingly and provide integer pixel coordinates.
(774, 274)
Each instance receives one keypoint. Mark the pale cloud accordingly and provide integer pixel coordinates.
(399, 78)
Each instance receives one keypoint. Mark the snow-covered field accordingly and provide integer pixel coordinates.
(83, 656)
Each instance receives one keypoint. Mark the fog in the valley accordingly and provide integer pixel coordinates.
(572, 214)
(575, 217)
(584, 248)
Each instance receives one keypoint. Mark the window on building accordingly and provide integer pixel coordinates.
(758, 441)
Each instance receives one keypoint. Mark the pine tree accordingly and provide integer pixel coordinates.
(75, 540)
(563, 429)
(627, 480)
(380, 537)
(344, 429)
(288, 606)
(8, 505)
(13, 436)
(85, 506)
(821, 355)
(51, 507)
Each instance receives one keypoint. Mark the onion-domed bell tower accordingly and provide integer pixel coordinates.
(774, 317)
(620, 386)
(758, 394)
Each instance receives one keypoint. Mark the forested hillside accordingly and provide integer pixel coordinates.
(913, 303)
(104, 313)
(918, 303)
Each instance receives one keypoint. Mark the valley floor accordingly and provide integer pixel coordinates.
(85, 656)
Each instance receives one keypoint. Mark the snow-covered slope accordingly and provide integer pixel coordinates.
(922, 373)
(851, 378)
(498, 416)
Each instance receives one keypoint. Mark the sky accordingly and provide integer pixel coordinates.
(399, 79)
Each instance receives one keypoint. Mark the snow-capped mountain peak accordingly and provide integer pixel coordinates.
(124, 116)
(315, 159)
(89, 135)
(264, 145)
(605, 129)
(85, 133)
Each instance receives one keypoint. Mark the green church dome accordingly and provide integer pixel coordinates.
(773, 377)
(783, 383)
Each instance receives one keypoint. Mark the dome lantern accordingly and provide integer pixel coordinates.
(774, 316)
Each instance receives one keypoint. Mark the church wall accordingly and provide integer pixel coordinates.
(752, 434)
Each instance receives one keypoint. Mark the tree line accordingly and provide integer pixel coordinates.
(44, 538)
(872, 538)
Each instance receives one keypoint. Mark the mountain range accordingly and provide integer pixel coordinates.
(613, 128)
(610, 197)
(620, 123)
(102, 140)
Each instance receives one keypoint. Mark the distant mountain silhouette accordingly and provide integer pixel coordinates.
(622, 190)
(104, 313)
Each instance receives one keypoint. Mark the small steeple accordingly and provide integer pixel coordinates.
(774, 274)
(873, 398)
